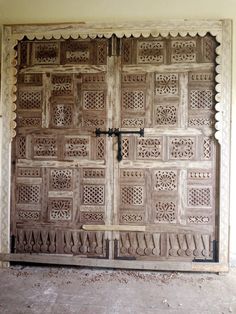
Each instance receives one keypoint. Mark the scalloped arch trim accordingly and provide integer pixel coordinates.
(96, 30)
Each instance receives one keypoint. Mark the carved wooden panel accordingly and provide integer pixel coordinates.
(170, 183)
(59, 182)
(65, 177)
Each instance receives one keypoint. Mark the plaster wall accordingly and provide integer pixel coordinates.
(59, 11)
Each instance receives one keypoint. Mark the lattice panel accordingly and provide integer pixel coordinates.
(21, 146)
(166, 180)
(100, 148)
(131, 217)
(207, 148)
(28, 215)
(165, 212)
(93, 173)
(201, 99)
(29, 99)
(92, 217)
(29, 122)
(150, 51)
(62, 85)
(93, 122)
(94, 100)
(200, 219)
(133, 100)
(166, 115)
(182, 148)
(30, 79)
(61, 179)
(29, 172)
(149, 148)
(166, 84)
(76, 147)
(60, 209)
(132, 195)
(46, 53)
(209, 46)
(28, 193)
(62, 115)
(183, 51)
(133, 122)
(199, 196)
(45, 147)
(93, 194)
(139, 78)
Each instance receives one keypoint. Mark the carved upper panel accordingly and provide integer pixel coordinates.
(172, 50)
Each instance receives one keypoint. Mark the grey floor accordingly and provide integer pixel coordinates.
(46, 290)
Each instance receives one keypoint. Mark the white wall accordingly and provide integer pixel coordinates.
(54, 11)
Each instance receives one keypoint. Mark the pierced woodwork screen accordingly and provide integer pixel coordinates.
(65, 177)
(60, 172)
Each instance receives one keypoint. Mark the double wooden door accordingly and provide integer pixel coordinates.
(163, 193)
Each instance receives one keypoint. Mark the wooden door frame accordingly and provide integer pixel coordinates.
(13, 33)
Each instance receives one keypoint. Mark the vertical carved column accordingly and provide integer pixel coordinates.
(7, 132)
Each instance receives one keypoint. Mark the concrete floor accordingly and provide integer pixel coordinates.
(46, 290)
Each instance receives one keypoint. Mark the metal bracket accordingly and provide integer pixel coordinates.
(118, 134)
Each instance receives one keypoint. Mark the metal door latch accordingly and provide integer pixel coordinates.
(118, 133)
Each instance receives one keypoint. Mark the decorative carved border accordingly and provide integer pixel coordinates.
(219, 28)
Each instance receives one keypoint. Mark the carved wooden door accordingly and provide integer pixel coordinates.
(167, 179)
(65, 177)
(60, 179)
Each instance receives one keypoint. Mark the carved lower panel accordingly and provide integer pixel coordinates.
(138, 245)
(168, 245)
(56, 241)
(84, 243)
(194, 246)
(36, 241)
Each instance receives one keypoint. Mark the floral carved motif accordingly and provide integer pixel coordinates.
(61, 179)
(166, 84)
(165, 212)
(166, 180)
(182, 148)
(166, 115)
(183, 51)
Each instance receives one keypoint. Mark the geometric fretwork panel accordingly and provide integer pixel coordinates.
(65, 177)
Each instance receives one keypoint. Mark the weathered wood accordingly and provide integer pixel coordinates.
(113, 228)
(139, 265)
(66, 178)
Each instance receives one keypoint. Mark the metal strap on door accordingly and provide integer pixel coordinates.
(118, 133)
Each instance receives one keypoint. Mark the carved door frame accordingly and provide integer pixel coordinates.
(221, 29)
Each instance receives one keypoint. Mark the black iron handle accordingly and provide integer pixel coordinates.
(118, 133)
